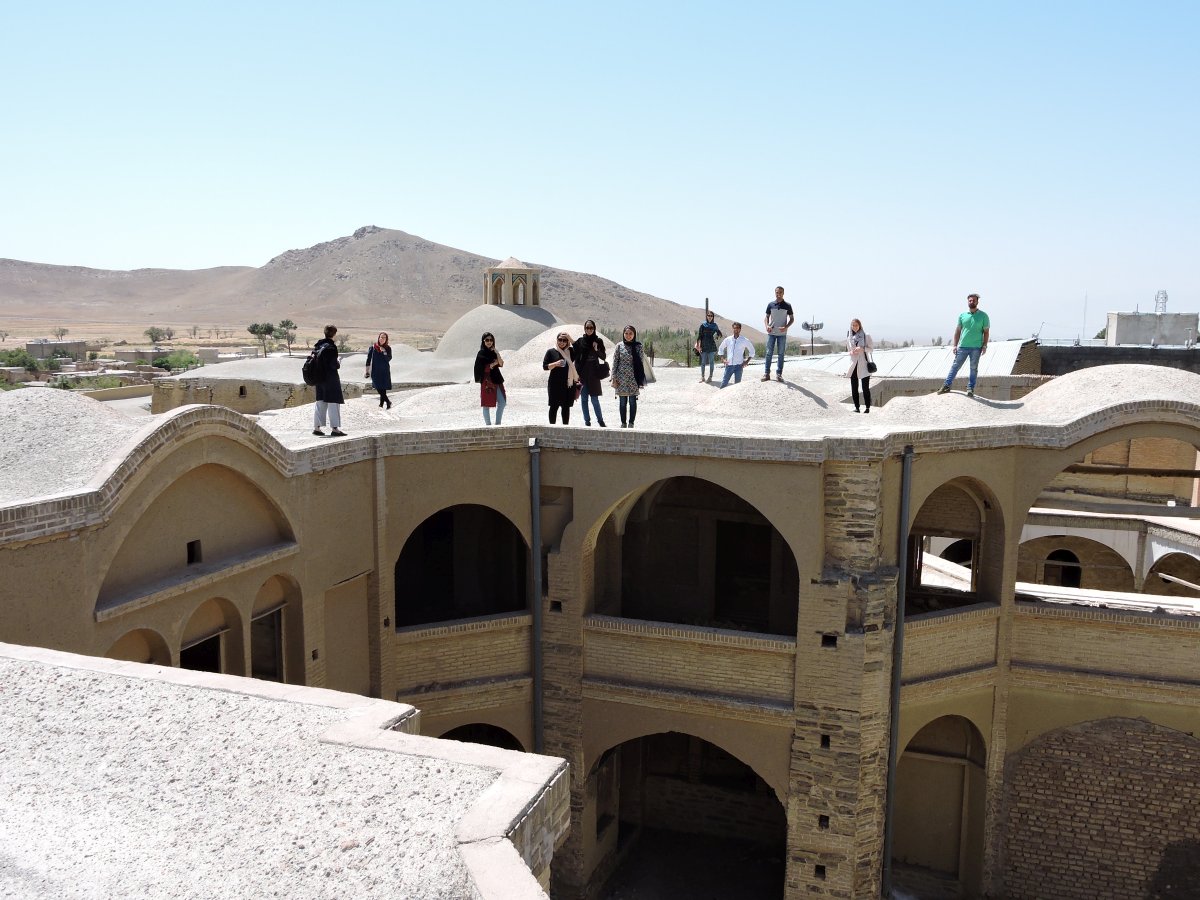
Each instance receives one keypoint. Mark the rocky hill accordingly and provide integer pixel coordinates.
(374, 277)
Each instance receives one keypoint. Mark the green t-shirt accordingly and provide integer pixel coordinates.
(971, 326)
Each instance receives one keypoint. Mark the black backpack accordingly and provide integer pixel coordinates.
(313, 369)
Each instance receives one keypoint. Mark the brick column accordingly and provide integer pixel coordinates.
(569, 582)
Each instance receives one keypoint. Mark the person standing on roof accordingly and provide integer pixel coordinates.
(778, 319)
(707, 339)
(329, 388)
(735, 352)
(970, 341)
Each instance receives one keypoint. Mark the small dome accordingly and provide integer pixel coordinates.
(511, 263)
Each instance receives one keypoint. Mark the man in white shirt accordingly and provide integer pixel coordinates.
(735, 351)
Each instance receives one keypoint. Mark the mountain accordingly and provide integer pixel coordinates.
(376, 277)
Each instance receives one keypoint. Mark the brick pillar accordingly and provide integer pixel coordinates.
(839, 747)
(843, 670)
(569, 582)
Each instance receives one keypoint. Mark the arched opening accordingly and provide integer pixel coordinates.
(537, 298)
(142, 645)
(673, 815)
(695, 553)
(959, 522)
(276, 632)
(482, 733)
(497, 289)
(939, 817)
(1174, 575)
(1062, 568)
(961, 553)
(519, 290)
(1149, 470)
(462, 562)
(212, 639)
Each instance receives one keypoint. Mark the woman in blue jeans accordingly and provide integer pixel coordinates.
(629, 374)
(589, 353)
(490, 379)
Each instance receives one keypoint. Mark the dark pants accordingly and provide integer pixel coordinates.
(566, 411)
(866, 382)
(631, 402)
(383, 398)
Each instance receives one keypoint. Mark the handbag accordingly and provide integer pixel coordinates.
(602, 369)
(871, 367)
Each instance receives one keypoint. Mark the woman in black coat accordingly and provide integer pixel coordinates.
(329, 387)
(490, 379)
(379, 368)
(559, 361)
(589, 354)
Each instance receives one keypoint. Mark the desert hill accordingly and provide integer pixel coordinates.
(374, 277)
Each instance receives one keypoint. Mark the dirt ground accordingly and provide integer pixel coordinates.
(22, 329)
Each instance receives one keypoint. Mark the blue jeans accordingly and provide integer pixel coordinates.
(735, 371)
(775, 342)
(500, 401)
(584, 396)
(631, 402)
(961, 356)
(710, 360)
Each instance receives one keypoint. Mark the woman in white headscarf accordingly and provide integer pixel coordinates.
(859, 346)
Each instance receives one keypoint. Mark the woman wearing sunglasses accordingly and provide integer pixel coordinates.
(561, 386)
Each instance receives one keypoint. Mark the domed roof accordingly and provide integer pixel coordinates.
(512, 263)
(513, 326)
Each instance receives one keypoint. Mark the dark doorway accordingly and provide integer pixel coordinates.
(202, 656)
(266, 646)
(1063, 569)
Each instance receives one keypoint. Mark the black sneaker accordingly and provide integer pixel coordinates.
(337, 432)
(318, 432)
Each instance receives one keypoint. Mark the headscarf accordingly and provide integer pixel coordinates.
(381, 342)
(634, 349)
(485, 357)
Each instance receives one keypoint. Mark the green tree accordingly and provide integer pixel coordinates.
(1102, 334)
(262, 331)
(179, 359)
(22, 358)
(286, 332)
(59, 332)
(154, 334)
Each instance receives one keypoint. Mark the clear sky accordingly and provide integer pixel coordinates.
(879, 160)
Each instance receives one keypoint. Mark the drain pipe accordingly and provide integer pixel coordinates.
(535, 533)
(889, 821)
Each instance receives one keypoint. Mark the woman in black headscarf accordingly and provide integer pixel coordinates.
(489, 378)
(629, 374)
(591, 362)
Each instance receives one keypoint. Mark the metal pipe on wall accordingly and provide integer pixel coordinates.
(535, 553)
(897, 668)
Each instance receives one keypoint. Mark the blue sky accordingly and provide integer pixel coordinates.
(880, 160)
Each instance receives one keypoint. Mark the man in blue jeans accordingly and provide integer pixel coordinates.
(970, 340)
(735, 350)
(778, 319)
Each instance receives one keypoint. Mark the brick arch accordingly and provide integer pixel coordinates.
(751, 754)
(1179, 564)
(1102, 567)
(483, 732)
(705, 556)
(1113, 794)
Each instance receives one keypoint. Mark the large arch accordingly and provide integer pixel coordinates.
(685, 811)
(962, 509)
(1042, 560)
(1177, 565)
(939, 807)
(143, 645)
(1118, 797)
(462, 562)
(206, 516)
(688, 551)
(212, 639)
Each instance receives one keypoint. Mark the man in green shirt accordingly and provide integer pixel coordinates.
(970, 340)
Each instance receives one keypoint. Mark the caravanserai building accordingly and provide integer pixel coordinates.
(698, 614)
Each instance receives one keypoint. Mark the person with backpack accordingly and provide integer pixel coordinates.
(328, 384)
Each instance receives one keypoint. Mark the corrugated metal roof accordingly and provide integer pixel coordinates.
(920, 362)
